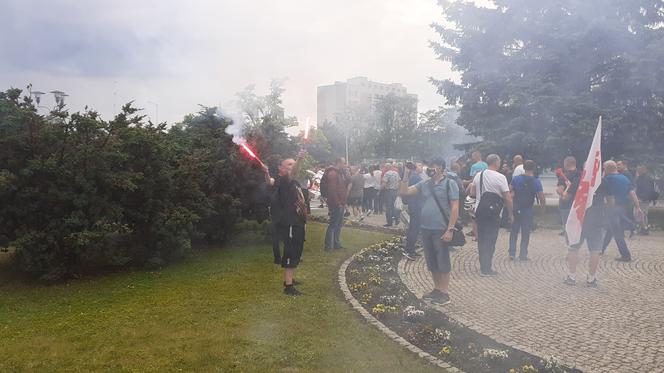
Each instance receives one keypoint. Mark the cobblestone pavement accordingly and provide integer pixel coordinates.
(617, 327)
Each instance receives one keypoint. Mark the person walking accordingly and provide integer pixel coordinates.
(517, 166)
(492, 192)
(334, 187)
(290, 213)
(620, 196)
(440, 211)
(391, 187)
(369, 191)
(378, 181)
(592, 233)
(356, 193)
(525, 189)
(647, 194)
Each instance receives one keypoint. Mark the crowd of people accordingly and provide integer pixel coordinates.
(434, 202)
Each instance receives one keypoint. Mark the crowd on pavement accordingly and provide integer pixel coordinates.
(435, 202)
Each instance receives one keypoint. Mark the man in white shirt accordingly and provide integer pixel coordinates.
(486, 182)
(517, 165)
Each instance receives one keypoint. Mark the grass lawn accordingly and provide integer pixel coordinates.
(221, 310)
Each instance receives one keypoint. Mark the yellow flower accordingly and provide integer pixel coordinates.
(445, 350)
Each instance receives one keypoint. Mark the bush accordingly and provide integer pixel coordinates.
(77, 191)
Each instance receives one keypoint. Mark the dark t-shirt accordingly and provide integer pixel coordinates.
(594, 218)
(645, 188)
(525, 189)
(286, 195)
(574, 177)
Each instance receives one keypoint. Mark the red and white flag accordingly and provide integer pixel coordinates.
(591, 178)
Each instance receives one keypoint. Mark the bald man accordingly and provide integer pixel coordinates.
(517, 166)
(289, 213)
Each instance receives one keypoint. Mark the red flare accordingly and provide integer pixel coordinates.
(249, 151)
(252, 154)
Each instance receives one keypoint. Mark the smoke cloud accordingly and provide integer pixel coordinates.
(236, 128)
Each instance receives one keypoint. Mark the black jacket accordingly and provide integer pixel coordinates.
(286, 202)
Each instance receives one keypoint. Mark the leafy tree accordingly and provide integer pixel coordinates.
(336, 136)
(438, 134)
(208, 149)
(536, 75)
(393, 133)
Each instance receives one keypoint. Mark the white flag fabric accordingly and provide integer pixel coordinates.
(591, 178)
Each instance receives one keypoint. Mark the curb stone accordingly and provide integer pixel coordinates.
(387, 331)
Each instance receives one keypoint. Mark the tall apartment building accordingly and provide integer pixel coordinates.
(359, 94)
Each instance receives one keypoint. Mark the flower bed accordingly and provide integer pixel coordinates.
(373, 280)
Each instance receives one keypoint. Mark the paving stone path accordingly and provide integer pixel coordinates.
(618, 327)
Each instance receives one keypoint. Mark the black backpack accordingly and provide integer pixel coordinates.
(491, 204)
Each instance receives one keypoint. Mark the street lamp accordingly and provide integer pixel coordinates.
(59, 97)
(37, 95)
(156, 109)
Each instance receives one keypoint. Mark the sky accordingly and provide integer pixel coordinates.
(170, 56)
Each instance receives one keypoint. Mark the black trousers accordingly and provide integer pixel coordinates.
(487, 235)
(293, 239)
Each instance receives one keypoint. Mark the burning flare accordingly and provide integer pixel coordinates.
(306, 130)
(251, 153)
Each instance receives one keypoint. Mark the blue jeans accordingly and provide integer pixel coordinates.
(617, 216)
(523, 221)
(333, 233)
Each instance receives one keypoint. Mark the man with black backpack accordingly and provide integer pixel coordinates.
(525, 188)
(438, 223)
(492, 193)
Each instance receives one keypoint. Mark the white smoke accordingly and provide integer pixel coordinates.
(236, 129)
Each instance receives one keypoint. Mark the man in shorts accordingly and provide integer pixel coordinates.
(289, 212)
(592, 233)
(436, 226)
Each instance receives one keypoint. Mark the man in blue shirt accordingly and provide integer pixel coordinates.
(437, 227)
(525, 188)
(619, 193)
